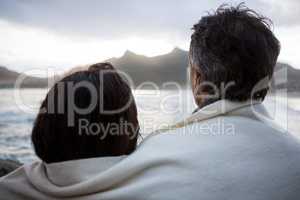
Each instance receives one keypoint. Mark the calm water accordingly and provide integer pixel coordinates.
(156, 109)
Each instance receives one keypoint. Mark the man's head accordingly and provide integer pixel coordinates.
(231, 51)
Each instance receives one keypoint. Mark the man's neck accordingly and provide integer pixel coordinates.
(205, 103)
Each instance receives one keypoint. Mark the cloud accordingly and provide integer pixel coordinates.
(119, 18)
(116, 18)
(24, 48)
(283, 13)
(289, 39)
(111, 19)
(86, 29)
(105, 19)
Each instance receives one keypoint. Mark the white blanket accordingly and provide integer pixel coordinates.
(224, 151)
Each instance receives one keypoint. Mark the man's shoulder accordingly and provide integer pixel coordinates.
(217, 126)
(227, 134)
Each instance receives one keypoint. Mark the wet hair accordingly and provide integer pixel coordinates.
(60, 130)
(234, 44)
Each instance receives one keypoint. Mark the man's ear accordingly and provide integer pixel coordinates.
(196, 85)
(195, 77)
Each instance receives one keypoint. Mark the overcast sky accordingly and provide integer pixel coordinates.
(66, 33)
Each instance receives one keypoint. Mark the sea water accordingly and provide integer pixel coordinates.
(156, 109)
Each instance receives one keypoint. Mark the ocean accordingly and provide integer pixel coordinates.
(156, 109)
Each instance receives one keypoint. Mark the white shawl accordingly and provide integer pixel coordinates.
(196, 159)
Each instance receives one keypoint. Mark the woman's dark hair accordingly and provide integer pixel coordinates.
(234, 44)
(77, 122)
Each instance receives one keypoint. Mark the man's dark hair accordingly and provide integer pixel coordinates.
(55, 140)
(234, 44)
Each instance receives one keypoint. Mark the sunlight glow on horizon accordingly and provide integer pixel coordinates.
(25, 48)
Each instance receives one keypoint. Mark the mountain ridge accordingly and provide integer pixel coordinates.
(172, 66)
(169, 67)
(8, 79)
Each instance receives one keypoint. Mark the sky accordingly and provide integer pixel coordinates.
(61, 34)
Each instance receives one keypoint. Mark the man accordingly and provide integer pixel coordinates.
(228, 149)
(232, 54)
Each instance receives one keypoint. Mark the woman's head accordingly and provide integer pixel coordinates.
(87, 114)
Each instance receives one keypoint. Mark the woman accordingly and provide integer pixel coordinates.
(70, 127)
(88, 119)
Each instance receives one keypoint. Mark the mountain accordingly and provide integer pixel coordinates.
(9, 77)
(158, 69)
(170, 67)
(173, 67)
(293, 77)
